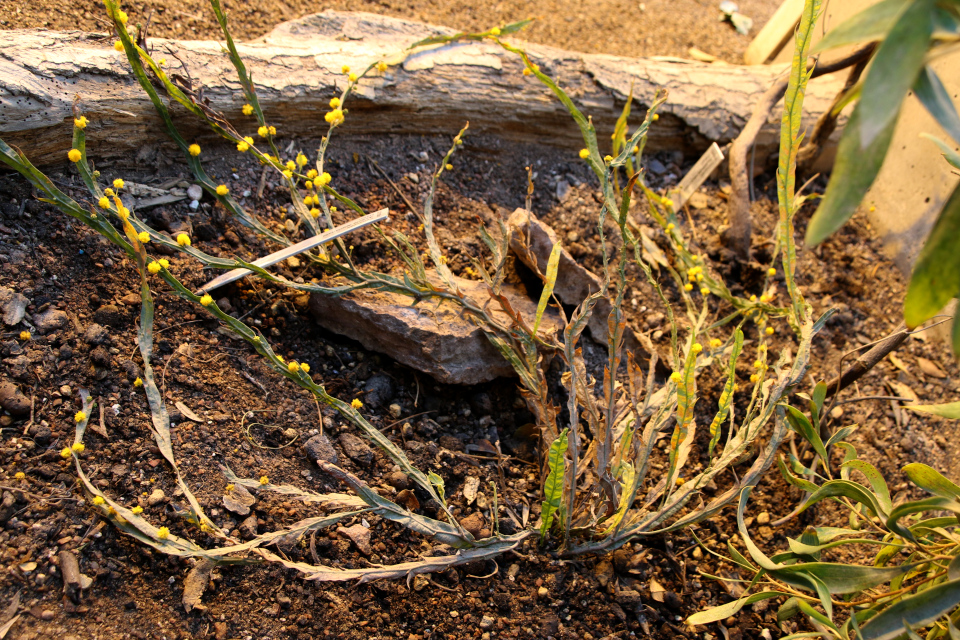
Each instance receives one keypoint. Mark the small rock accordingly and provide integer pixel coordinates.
(41, 434)
(239, 500)
(398, 480)
(248, 528)
(130, 299)
(656, 167)
(51, 320)
(155, 498)
(698, 200)
(293, 262)
(13, 306)
(395, 411)
(572, 236)
(96, 335)
(836, 413)
(379, 390)
(542, 592)
(487, 622)
(13, 400)
(360, 536)
(356, 449)
(232, 238)
(319, 448)
(473, 523)
(194, 192)
(603, 572)
(512, 571)
(763, 518)
(563, 189)
(47, 615)
(108, 314)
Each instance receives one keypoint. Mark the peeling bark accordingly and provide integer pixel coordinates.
(297, 70)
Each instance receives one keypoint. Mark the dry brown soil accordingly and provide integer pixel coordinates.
(617, 27)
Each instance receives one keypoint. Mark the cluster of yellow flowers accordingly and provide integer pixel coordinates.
(25, 335)
(156, 265)
(245, 144)
(356, 404)
(265, 131)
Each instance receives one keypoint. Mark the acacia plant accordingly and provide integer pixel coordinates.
(599, 448)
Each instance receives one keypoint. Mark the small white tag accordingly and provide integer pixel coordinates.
(697, 175)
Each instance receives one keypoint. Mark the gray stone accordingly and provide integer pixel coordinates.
(108, 314)
(50, 320)
(194, 192)
(319, 448)
(13, 306)
(356, 449)
(13, 400)
(398, 480)
(379, 390)
(438, 339)
(248, 528)
(360, 536)
(656, 167)
(239, 500)
(96, 334)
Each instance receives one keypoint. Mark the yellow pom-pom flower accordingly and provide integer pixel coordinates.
(183, 240)
(356, 404)
(352, 77)
(78, 447)
(164, 262)
(264, 480)
(688, 287)
(697, 347)
(79, 416)
(448, 167)
(138, 382)
(584, 153)
(345, 68)
(242, 146)
(769, 331)
(704, 291)
(81, 122)
(194, 149)
(206, 300)
(382, 66)
(104, 202)
(108, 192)
(163, 533)
(74, 155)
(98, 500)
(771, 272)
(287, 174)
(324, 179)
(247, 109)
(301, 159)
(311, 174)
(676, 377)
(118, 45)
(754, 377)
(314, 212)
(143, 237)
(667, 202)
(715, 343)
(24, 335)
(293, 367)
(495, 31)
(122, 16)
(65, 453)
(137, 510)
(154, 267)
(118, 183)
(304, 367)
(20, 475)
(334, 117)
(656, 117)
(263, 132)
(272, 129)
(222, 190)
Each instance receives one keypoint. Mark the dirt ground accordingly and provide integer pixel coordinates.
(617, 27)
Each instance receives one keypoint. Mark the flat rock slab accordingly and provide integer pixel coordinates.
(438, 339)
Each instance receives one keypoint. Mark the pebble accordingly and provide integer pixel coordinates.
(96, 334)
(379, 390)
(319, 448)
(473, 523)
(487, 622)
(395, 411)
(156, 497)
(50, 320)
(293, 262)
(194, 192)
(399, 481)
(542, 592)
(763, 518)
(47, 615)
(356, 449)
(13, 400)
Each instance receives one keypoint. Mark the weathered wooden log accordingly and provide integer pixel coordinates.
(297, 69)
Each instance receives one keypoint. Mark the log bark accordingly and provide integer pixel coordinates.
(297, 69)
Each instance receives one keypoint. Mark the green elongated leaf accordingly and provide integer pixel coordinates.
(816, 615)
(931, 92)
(854, 170)
(826, 534)
(738, 557)
(840, 434)
(819, 396)
(946, 410)
(803, 426)
(553, 486)
(929, 479)
(869, 25)
(953, 569)
(724, 611)
(894, 70)
(846, 489)
(824, 594)
(553, 264)
(788, 609)
(796, 481)
(954, 632)
(876, 481)
(918, 506)
(437, 482)
(918, 611)
(726, 397)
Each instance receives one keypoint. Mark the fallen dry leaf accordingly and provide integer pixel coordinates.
(930, 368)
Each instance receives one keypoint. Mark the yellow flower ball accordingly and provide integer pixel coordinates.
(74, 155)
(104, 202)
(671, 227)
(163, 533)
(656, 117)
(143, 237)
(242, 146)
(20, 475)
(264, 480)
(122, 17)
(754, 377)
(154, 267)
(194, 149)
(304, 367)
(137, 510)
(715, 343)
(118, 45)
(704, 291)
(697, 347)
(222, 190)
(293, 367)
(247, 109)
(98, 500)
(108, 192)
(688, 287)
(345, 68)
(118, 183)
(769, 331)
(771, 272)
(301, 159)
(287, 174)
(381, 66)
(123, 212)
(78, 447)
(24, 335)
(356, 404)
(206, 300)
(308, 184)
(138, 382)
(753, 298)
(448, 167)
(584, 153)
(314, 212)
(495, 31)
(81, 122)
(183, 240)
(79, 416)
(667, 202)
(65, 453)
(263, 131)
(164, 262)
(272, 129)
(311, 174)
(676, 377)
(324, 179)
(352, 77)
